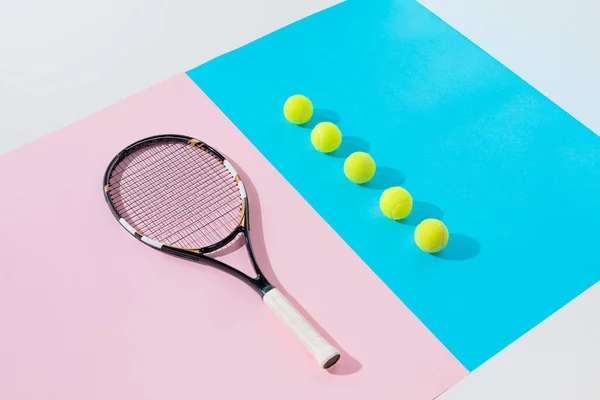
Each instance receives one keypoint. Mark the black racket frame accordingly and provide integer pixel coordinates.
(259, 284)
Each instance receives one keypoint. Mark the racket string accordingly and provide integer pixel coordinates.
(166, 203)
(135, 183)
(215, 218)
(153, 206)
(179, 216)
(140, 158)
(194, 221)
(177, 194)
(193, 208)
(130, 189)
(217, 173)
(192, 227)
(132, 180)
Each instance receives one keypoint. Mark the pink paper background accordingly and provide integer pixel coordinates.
(87, 312)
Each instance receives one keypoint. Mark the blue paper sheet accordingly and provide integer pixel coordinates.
(515, 178)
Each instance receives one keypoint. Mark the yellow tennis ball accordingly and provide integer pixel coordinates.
(396, 203)
(431, 235)
(298, 109)
(359, 167)
(326, 137)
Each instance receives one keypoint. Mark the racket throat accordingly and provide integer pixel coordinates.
(261, 285)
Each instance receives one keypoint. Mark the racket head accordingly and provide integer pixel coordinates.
(177, 192)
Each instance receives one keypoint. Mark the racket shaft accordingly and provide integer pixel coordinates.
(325, 354)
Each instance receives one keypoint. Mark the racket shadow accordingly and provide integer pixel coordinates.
(347, 365)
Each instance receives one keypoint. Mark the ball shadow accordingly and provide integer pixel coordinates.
(459, 247)
(347, 365)
(384, 178)
(321, 115)
(421, 211)
(350, 144)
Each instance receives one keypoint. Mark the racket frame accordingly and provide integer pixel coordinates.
(259, 284)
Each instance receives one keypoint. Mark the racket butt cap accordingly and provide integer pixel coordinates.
(332, 361)
(325, 354)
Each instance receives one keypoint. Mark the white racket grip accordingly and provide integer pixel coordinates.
(325, 354)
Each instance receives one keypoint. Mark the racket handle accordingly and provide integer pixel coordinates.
(325, 354)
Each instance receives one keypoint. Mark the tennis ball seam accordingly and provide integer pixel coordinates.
(306, 108)
(398, 204)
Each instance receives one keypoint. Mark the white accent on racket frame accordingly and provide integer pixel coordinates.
(151, 242)
(127, 226)
(230, 168)
(242, 189)
(302, 329)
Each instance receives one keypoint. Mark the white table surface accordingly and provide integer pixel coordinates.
(63, 60)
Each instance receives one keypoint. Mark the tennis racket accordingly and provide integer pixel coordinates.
(178, 195)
